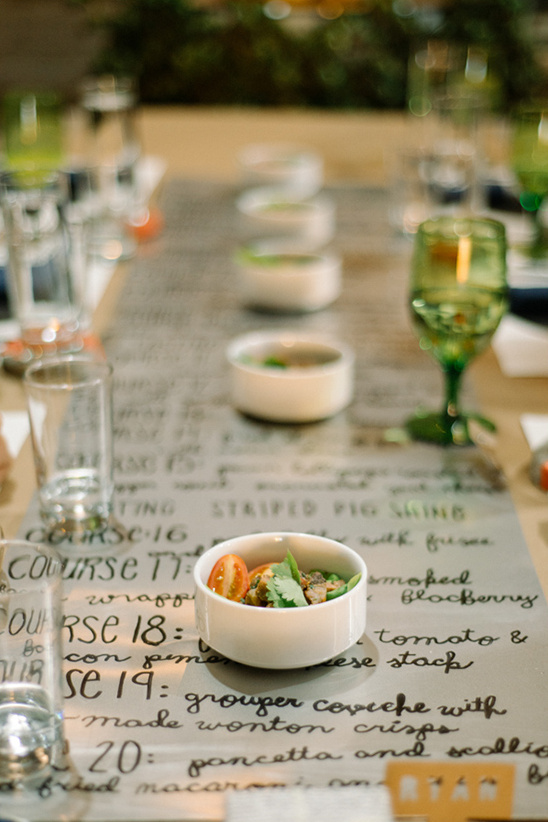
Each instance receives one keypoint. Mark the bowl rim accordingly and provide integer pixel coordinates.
(232, 541)
(238, 345)
(253, 201)
(316, 258)
(253, 153)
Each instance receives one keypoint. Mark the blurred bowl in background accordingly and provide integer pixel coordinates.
(270, 212)
(287, 278)
(290, 377)
(285, 166)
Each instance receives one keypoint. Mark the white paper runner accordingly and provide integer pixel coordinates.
(453, 665)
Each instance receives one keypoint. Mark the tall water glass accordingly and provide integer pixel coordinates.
(110, 105)
(31, 707)
(70, 409)
(45, 260)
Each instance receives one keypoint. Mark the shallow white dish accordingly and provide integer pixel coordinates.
(282, 638)
(293, 394)
(288, 278)
(283, 165)
(272, 212)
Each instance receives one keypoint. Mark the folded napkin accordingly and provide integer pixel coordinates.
(14, 427)
(535, 428)
(521, 348)
(311, 805)
(9, 330)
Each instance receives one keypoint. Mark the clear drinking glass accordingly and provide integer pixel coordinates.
(45, 261)
(70, 409)
(112, 154)
(31, 706)
(458, 295)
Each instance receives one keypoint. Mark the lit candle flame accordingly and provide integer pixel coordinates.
(464, 254)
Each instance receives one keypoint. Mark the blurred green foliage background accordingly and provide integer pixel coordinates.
(238, 53)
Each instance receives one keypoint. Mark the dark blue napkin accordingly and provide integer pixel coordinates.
(530, 303)
(4, 310)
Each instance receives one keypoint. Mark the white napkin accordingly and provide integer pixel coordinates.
(521, 348)
(311, 805)
(9, 330)
(150, 171)
(535, 428)
(14, 427)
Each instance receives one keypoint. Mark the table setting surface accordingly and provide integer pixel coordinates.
(160, 725)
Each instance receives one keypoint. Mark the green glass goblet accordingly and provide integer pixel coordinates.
(458, 295)
(529, 160)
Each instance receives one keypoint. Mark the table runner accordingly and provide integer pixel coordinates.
(454, 662)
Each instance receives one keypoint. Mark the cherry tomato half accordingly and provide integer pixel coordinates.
(229, 577)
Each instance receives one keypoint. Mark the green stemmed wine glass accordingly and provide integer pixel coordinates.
(458, 296)
(529, 160)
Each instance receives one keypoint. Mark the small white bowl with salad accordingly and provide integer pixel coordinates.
(280, 600)
(293, 168)
(284, 277)
(290, 377)
(271, 212)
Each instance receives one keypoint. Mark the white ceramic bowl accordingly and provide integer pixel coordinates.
(271, 212)
(288, 278)
(291, 167)
(282, 637)
(297, 393)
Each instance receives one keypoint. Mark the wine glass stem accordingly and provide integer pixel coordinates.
(538, 239)
(452, 387)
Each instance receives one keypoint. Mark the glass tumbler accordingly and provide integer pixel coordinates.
(70, 409)
(113, 150)
(31, 707)
(45, 265)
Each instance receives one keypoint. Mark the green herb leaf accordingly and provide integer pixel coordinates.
(282, 568)
(285, 592)
(288, 568)
(294, 568)
(274, 362)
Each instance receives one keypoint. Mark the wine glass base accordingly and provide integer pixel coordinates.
(442, 429)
